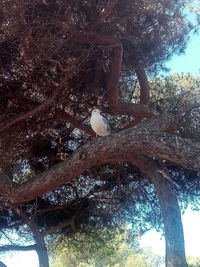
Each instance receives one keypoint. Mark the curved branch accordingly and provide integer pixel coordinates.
(115, 71)
(138, 110)
(138, 140)
(144, 85)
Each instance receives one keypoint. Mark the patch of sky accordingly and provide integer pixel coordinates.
(188, 62)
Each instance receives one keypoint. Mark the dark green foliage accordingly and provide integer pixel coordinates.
(35, 52)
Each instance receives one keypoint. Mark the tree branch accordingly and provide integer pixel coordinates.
(144, 85)
(53, 208)
(5, 125)
(142, 139)
(63, 116)
(2, 264)
(186, 110)
(115, 71)
(5, 184)
(42, 52)
(17, 248)
(57, 227)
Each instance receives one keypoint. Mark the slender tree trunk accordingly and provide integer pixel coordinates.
(2, 264)
(174, 237)
(41, 249)
(42, 256)
(38, 237)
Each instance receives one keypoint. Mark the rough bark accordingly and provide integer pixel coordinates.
(144, 139)
(174, 237)
(116, 106)
(149, 139)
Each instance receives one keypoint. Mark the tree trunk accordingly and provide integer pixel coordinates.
(42, 256)
(2, 264)
(38, 237)
(174, 237)
(41, 249)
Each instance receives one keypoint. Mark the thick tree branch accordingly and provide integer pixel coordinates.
(142, 139)
(115, 71)
(139, 110)
(144, 85)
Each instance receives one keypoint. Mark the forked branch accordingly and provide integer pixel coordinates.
(112, 88)
(143, 139)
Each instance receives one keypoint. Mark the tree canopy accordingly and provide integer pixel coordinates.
(60, 59)
(110, 247)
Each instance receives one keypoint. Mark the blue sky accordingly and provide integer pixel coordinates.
(190, 61)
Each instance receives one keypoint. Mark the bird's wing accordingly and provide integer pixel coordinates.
(107, 124)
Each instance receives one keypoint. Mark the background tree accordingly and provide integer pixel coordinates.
(60, 59)
(193, 261)
(109, 247)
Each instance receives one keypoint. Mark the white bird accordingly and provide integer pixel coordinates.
(99, 124)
